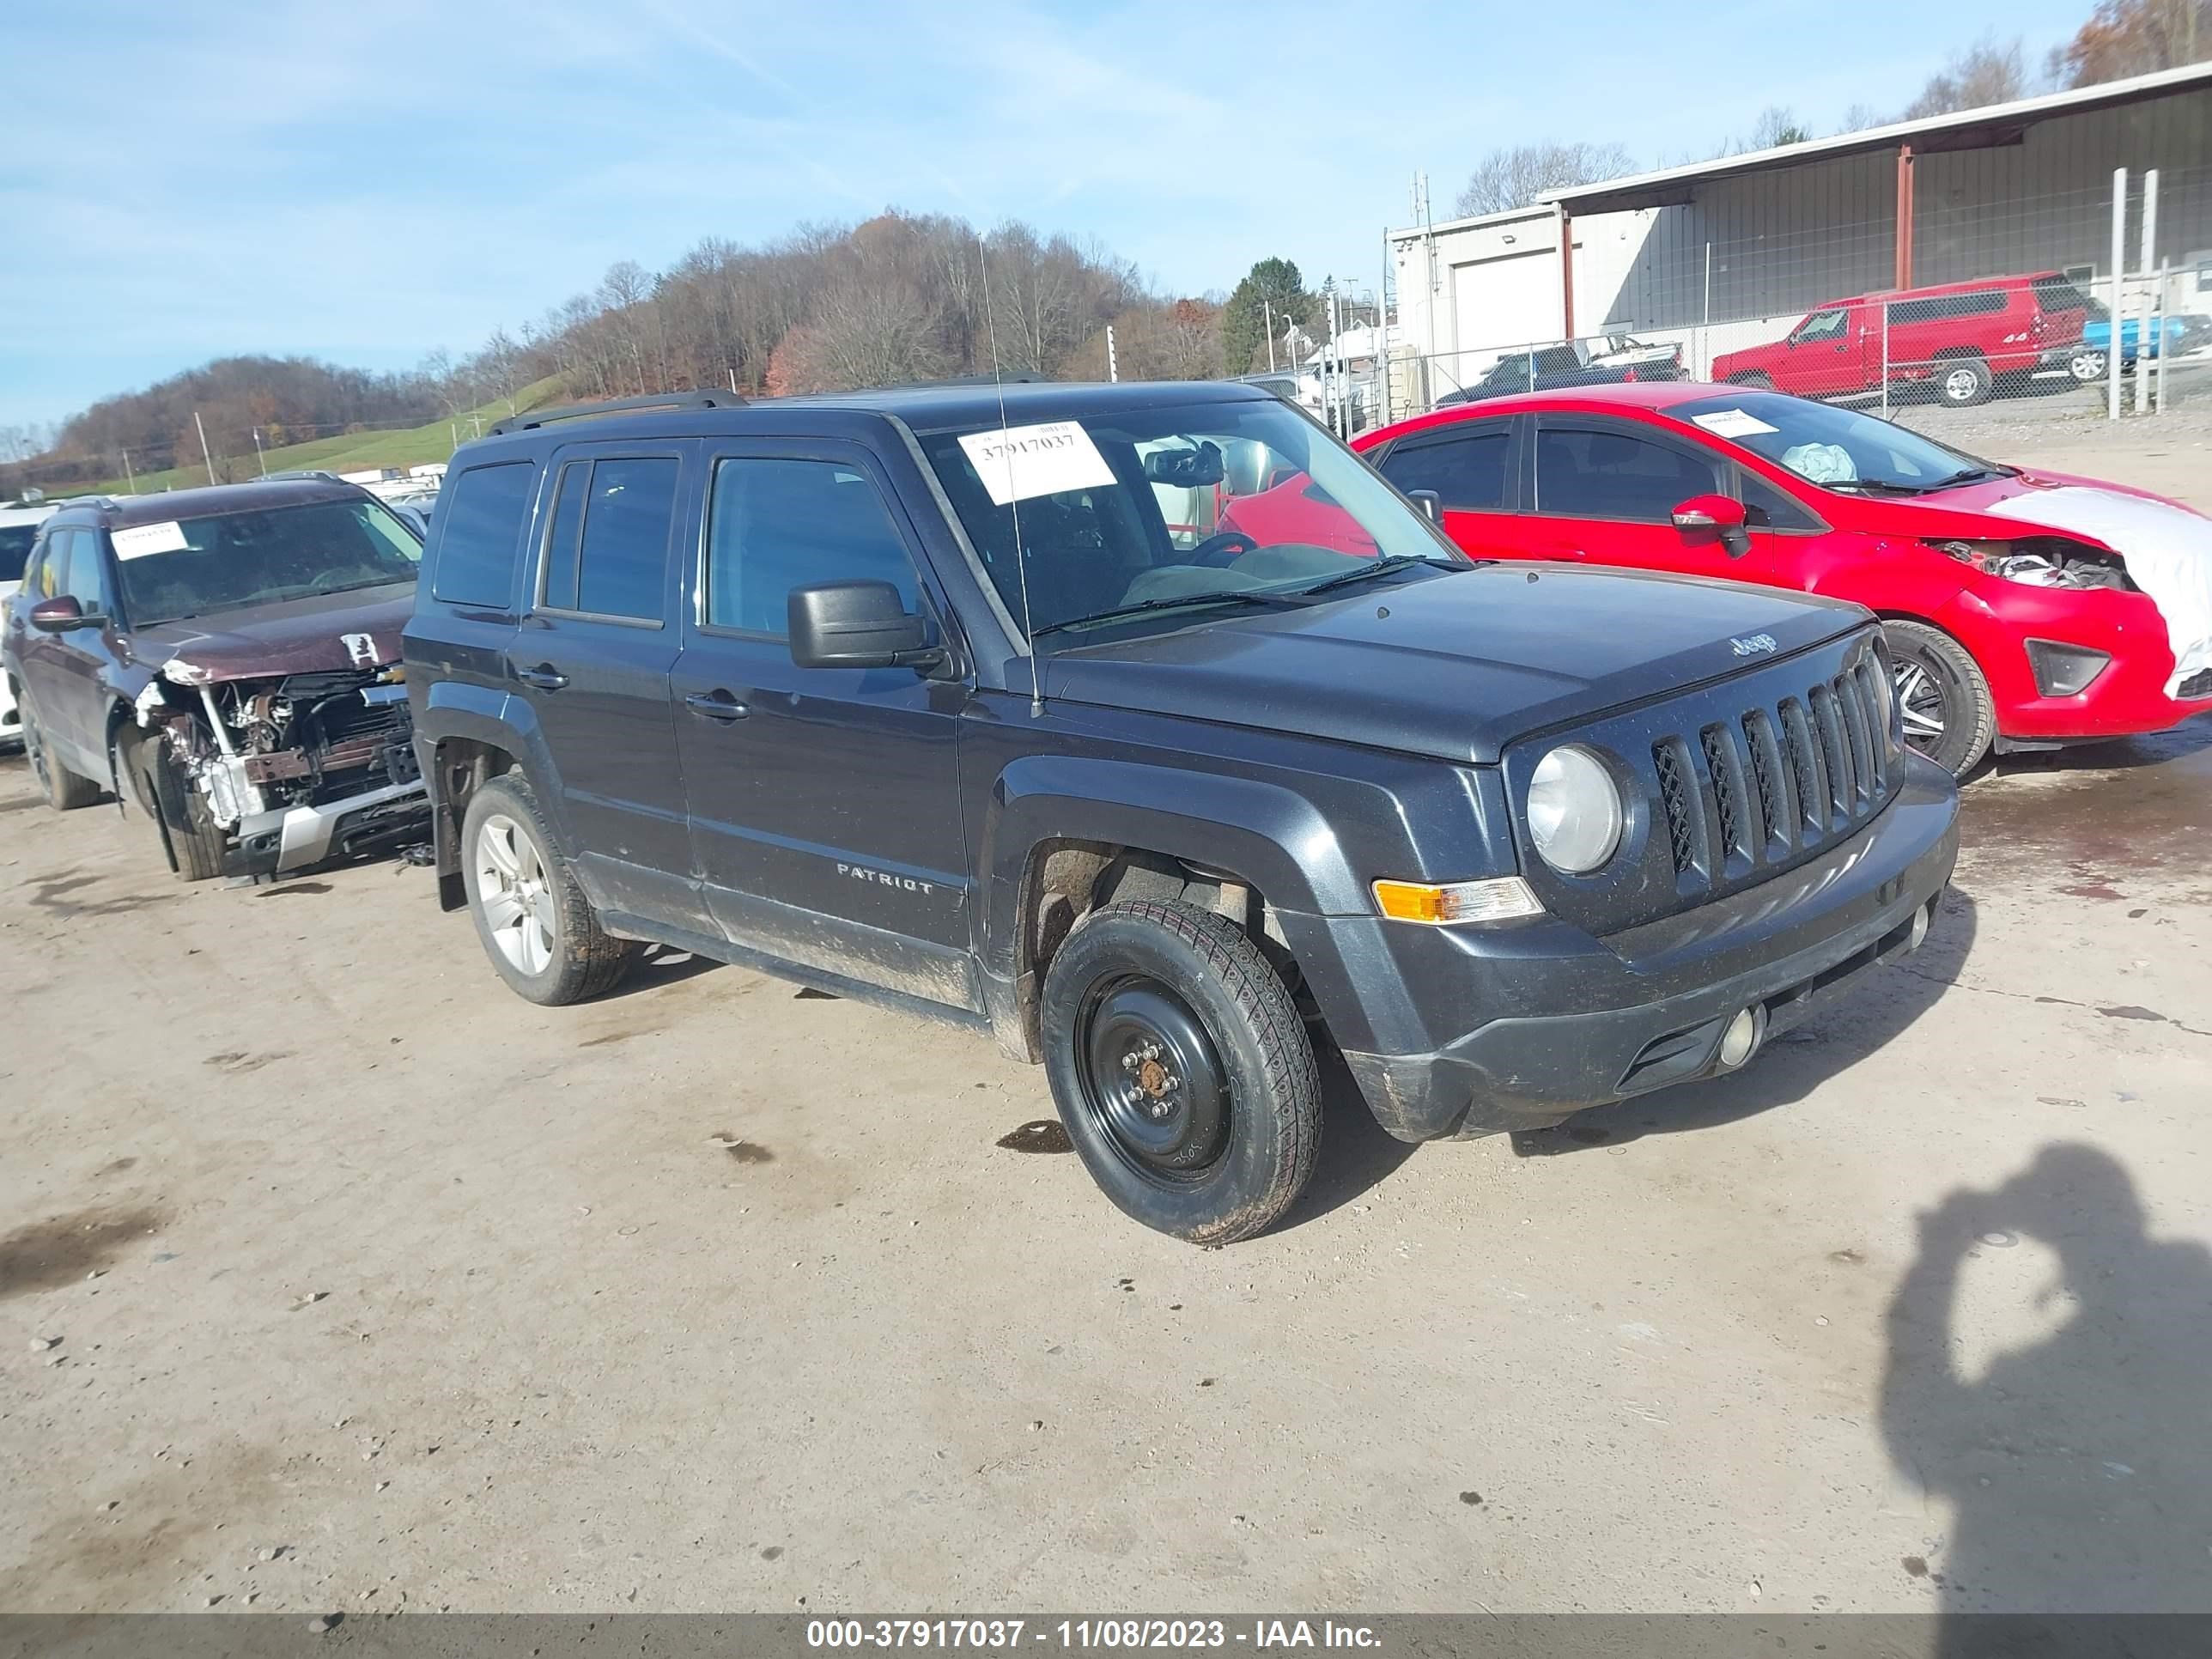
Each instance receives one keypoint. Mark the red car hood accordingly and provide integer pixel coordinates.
(355, 629)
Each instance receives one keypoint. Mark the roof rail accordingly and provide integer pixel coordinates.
(298, 472)
(538, 418)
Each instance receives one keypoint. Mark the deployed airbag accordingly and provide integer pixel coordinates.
(2167, 551)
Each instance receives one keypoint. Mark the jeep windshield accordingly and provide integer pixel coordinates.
(1835, 448)
(1162, 516)
(197, 566)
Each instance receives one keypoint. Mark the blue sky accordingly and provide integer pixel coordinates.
(366, 183)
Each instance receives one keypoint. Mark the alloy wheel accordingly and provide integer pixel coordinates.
(515, 895)
(1923, 703)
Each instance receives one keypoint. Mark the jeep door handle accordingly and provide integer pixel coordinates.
(716, 705)
(544, 677)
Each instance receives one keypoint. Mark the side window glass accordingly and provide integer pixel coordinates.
(559, 590)
(87, 581)
(1467, 473)
(53, 565)
(777, 525)
(479, 532)
(1821, 326)
(1588, 473)
(1767, 508)
(622, 562)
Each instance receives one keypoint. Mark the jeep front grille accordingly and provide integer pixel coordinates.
(1778, 781)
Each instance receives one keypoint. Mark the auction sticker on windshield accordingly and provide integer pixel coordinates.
(1016, 462)
(1733, 424)
(139, 540)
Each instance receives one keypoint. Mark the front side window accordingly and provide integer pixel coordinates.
(1822, 325)
(1467, 473)
(621, 557)
(86, 579)
(52, 566)
(481, 529)
(1510, 374)
(1072, 524)
(774, 524)
(1595, 473)
(194, 566)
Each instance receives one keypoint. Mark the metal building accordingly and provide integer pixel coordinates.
(1752, 242)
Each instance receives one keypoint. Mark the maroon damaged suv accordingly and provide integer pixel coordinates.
(226, 661)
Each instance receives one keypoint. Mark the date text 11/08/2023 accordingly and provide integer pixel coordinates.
(1002, 1635)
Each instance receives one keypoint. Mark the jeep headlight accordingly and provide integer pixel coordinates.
(1574, 810)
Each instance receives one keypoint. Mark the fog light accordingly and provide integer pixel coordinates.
(1741, 1039)
(2063, 670)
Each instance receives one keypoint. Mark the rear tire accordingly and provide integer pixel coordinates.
(1754, 381)
(2086, 366)
(1182, 1072)
(1948, 713)
(1963, 382)
(65, 790)
(538, 927)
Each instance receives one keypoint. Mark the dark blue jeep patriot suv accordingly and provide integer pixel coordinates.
(1147, 728)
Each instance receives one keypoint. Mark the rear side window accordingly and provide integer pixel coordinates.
(15, 541)
(778, 524)
(480, 530)
(621, 557)
(1467, 473)
(1947, 307)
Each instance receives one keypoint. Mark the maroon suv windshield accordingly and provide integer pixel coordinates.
(195, 567)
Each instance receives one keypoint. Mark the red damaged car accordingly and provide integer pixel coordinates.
(2024, 609)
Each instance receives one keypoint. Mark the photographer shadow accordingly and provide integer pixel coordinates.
(2078, 1468)
(1870, 1012)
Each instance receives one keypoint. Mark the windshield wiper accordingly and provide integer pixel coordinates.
(1379, 568)
(1224, 596)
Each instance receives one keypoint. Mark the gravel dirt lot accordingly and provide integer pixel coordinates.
(377, 1288)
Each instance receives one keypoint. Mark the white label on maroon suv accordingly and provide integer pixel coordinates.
(139, 540)
(1016, 462)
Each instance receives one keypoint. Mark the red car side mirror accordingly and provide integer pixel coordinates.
(1718, 517)
(58, 615)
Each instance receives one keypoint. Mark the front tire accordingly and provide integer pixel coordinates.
(1753, 381)
(538, 927)
(1963, 382)
(1182, 1072)
(65, 791)
(192, 841)
(1942, 697)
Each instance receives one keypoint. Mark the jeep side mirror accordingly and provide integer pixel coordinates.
(1430, 503)
(1721, 517)
(60, 615)
(856, 625)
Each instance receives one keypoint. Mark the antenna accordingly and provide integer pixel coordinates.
(1013, 505)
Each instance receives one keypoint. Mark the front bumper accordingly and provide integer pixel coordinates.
(290, 838)
(1597, 1021)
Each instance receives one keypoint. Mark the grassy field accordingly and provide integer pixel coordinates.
(352, 451)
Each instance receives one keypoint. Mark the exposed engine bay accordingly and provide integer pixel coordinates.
(2042, 562)
(295, 765)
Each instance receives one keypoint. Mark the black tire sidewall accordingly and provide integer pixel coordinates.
(1245, 1190)
(1969, 720)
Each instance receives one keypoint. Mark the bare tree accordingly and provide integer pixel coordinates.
(2135, 37)
(1516, 178)
(1990, 71)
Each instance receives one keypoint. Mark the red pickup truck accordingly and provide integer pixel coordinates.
(1961, 339)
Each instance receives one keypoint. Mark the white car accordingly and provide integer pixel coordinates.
(19, 528)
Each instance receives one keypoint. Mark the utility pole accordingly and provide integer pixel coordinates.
(129, 478)
(206, 454)
(257, 455)
(1268, 307)
(1112, 363)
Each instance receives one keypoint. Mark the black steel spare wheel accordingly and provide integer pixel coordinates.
(1151, 1082)
(1183, 1072)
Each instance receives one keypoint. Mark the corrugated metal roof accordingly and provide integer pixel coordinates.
(1969, 129)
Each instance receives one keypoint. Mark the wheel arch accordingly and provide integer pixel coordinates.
(465, 735)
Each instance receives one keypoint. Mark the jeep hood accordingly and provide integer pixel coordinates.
(1455, 667)
(359, 628)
